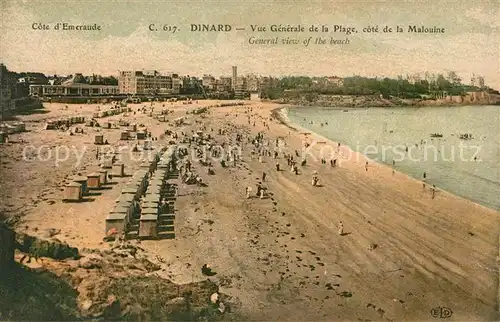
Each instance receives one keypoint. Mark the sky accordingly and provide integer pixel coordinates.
(470, 43)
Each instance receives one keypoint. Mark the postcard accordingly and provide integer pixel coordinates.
(249, 160)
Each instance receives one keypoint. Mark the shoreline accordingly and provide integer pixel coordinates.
(295, 105)
(279, 113)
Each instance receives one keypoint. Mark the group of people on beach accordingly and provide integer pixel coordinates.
(261, 148)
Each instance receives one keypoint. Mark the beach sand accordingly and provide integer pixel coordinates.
(402, 254)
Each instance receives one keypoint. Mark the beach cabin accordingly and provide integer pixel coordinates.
(82, 180)
(150, 204)
(103, 176)
(132, 190)
(107, 162)
(140, 180)
(153, 197)
(124, 135)
(99, 139)
(19, 127)
(50, 125)
(125, 198)
(93, 181)
(148, 226)
(156, 183)
(141, 175)
(128, 200)
(163, 165)
(136, 183)
(153, 190)
(73, 192)
(125, 207)
(141, 135)
(118, 170)
(149, 167)
(160, 174)
(179, 121)
(116, 222)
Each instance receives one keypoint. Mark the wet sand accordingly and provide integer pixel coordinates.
(402, 254)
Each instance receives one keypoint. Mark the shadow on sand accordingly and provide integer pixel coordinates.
(81, 200)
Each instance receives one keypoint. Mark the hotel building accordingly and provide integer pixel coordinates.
(148, 83)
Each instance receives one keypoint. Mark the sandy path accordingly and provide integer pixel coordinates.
(281, 256)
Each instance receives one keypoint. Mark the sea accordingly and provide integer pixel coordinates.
(456, 147)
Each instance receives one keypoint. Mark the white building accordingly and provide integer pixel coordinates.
(73, 90)
(148, 83)
(208, 81)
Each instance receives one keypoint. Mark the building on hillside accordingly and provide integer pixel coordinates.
(253, 83)
(176, 82)
(241, 90)
(234, 77)
(223, 85)
(335, 81)
(191, 85)
(208, 81)
(148, 83)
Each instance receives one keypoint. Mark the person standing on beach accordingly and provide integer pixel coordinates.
(248, 190)
(341, 228)
(315, 178)
(366, 166)
(433, 191)
(259, 187)
(263, 176)
(277, 166)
